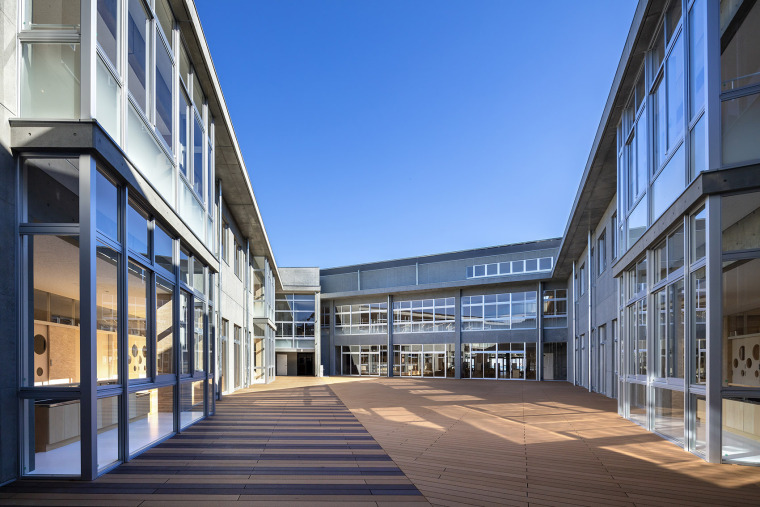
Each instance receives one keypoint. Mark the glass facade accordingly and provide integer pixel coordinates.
(499, 361)
(423, 360)
(362, 360)
(296, 318)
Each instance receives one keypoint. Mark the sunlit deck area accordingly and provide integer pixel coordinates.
(408, 441)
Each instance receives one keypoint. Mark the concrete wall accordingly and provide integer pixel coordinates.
(9, 465)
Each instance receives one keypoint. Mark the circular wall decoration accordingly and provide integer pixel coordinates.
(741, 352)
(756, 352)
(749, 363)
(736, 363)
(743, 373)
(40, 344)
(145, 351)
(39, 372)
(129, 360)
(757, 374)
(134, 350)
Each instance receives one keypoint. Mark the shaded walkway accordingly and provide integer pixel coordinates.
(292, 442)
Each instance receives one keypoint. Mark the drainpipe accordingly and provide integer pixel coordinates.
(220, 230)
(573, 340)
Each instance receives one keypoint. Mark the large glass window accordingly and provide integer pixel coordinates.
(107, 206)
(515, 310)
(424, 315)
(151, 417)
(362, 360)
(137, 308)
(164, 94)
(295, 316)
(185, 318)
(107, 312)
(52, 435)
(108, 431)
(163, 245)
(741, 317)
(47, 15)
(198, 159)
(555, 308)
(669, 413)
(740, 431)
(424, 360)
(199, 326)
(699, 295)
(138, 230)
(164, 328)
(367, 318)
(54, 279)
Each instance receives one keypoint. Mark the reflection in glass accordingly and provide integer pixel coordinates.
(164, 329)
(137, 231)
(637, 399)
(184, 266)
(137, 346)
(138, 30)
(675, 70)
(740, 215)
(740, 119)
(107, 312)
(52, 434)
(637, 222)
(699, 416)
(696, 58)
(198, 159)
(668, 184)
(107, 207)
(163, 248)
(52, 190)
(151, 416)
(698, 227)
(108, 101)
(164, 96)
(54, 277)
(108, 431)
(739, 65)
(697, 145)
(108, 29)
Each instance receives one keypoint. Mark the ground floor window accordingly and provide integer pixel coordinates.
(430, 360)
(499, 360)
(369, 360)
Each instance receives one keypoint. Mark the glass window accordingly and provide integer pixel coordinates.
(669, 413)
(184, 134)
(698, 227)
(741, 318)
(184, 266)
(660, 125)
(739, 61)
(137, 230)
(741, 434)
(52, 194)
(199, 276)
(54, 278)
(740, 216)
(137, 308)
(151, 417)
(198, 159)
(184, 66)
(696, 58)
(108, 29)
(740, 121)
(144, 151)
(697, 149)
(669, 184)
(165, 18)
(601, 252)
(199, 327)
(108, 101)
(198, 97)
(699, 295)
(675, 70)
(675, 251)
(52, 437)
(47, 15)
(164, 328)
(107, 312)
(108, 431)
(637, 222)
(185, 318)
(637, 399)
(50, 77)
(660, 270)
(138, 30)
(107, 207)
(164, 94)
(163, 245)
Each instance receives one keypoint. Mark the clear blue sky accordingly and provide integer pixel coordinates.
(380, 129)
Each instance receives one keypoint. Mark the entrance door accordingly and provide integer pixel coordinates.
(305, 364)
(282, 364)
(503, 366)
(439, 360)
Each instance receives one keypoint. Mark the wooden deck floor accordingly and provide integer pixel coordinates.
(291, 443)
(315, 442)
(469, 442)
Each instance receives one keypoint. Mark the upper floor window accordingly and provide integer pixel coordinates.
(515, 310)
(362, 318)
(510, 267)
(424, 315)
(601, 252)
(582, 276)
(555, 308)
(295, 315)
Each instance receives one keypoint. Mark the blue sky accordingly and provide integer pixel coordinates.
(376, 130)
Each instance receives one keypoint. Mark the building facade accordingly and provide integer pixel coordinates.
(139, 285)
(133, 238)
(491, 313)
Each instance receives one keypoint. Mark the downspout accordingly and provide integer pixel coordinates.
(590, 293)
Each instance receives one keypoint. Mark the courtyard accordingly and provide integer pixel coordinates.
(395, 441)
